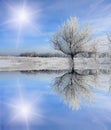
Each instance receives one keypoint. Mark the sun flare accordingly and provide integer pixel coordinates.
(24, 111)
(22, 17)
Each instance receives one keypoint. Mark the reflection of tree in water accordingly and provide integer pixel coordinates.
(74, 87)
(77, 86)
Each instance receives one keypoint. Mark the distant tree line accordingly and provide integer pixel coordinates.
(35, 54)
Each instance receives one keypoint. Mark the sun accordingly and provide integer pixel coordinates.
(22, 16)
(22, 19)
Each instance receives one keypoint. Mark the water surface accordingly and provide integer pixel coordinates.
(54, 101)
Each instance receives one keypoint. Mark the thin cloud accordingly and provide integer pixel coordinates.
(99, 17)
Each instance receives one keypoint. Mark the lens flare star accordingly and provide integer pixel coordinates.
(22, 18)
(24, 109)
(24, 112)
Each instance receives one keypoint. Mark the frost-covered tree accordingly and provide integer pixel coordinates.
(71, 39)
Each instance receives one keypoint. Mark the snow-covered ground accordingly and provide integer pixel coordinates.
(9, 63)
(31, 63)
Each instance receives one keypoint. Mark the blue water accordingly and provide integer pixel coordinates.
(29, 102)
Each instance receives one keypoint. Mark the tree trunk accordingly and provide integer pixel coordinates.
(72, 61)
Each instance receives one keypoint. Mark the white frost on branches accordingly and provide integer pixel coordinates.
(71, 39)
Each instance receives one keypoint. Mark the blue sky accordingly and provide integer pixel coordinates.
(46, 18)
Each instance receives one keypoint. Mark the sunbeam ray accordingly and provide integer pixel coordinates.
(18, 36)
(8, 22)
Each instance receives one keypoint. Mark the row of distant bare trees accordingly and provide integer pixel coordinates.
(73, 40)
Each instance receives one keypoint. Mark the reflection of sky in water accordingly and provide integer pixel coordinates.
(29, 103)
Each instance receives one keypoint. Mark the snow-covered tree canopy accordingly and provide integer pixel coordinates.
(71, 39)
